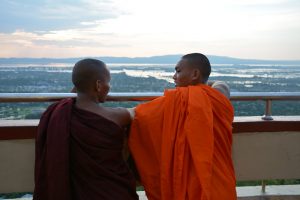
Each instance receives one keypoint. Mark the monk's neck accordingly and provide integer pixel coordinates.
(84, 100)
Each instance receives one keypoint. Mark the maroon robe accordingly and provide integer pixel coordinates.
(79, 156)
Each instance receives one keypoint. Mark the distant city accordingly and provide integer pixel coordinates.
(23, 75)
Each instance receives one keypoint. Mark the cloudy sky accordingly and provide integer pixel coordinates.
(262, 29)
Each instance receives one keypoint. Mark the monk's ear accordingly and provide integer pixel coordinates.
(196, 75)
(98, 85)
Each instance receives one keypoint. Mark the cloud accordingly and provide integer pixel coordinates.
(73, 42)
(260, 2)
(68, 28)
(84, 36)
(53, 15)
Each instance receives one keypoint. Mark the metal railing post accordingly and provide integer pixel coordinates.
(268, 111)
(263, 186)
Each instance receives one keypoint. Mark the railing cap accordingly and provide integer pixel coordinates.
(143, 96)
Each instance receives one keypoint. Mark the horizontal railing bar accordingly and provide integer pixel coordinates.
(252, 96)
(143, 96)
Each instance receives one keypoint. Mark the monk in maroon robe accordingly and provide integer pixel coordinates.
(79, 143)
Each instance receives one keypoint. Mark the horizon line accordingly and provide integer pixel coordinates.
(127, 57)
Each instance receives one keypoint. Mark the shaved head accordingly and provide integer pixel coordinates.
(86, 72)
(200, 62)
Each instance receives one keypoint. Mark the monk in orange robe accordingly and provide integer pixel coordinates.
(79, 144)
(181, 142)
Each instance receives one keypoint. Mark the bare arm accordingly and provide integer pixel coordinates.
(120, 116)
(221, 86)
(125, 116)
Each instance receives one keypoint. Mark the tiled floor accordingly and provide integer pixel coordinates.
(290, 192)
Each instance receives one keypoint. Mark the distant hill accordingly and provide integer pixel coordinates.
(165, 59)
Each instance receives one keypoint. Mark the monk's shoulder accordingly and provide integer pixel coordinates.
(120, 115)
(120, 112)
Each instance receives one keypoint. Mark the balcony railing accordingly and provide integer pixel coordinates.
(267, 97)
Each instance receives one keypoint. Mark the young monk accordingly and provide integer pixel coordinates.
(79, 143)
(181, 142)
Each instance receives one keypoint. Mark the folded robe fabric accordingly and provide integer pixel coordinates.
(181, 144)
(79, 156)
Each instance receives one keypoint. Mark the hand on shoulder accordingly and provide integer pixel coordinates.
(221, 86)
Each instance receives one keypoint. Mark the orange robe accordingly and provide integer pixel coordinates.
(181, 144)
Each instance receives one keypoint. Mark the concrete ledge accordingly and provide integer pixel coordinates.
(26, 129)
(274, 192)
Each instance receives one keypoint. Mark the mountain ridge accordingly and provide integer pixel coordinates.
(163, 59)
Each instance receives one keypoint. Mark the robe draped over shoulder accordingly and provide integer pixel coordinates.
(79, 156)
(181, 143)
